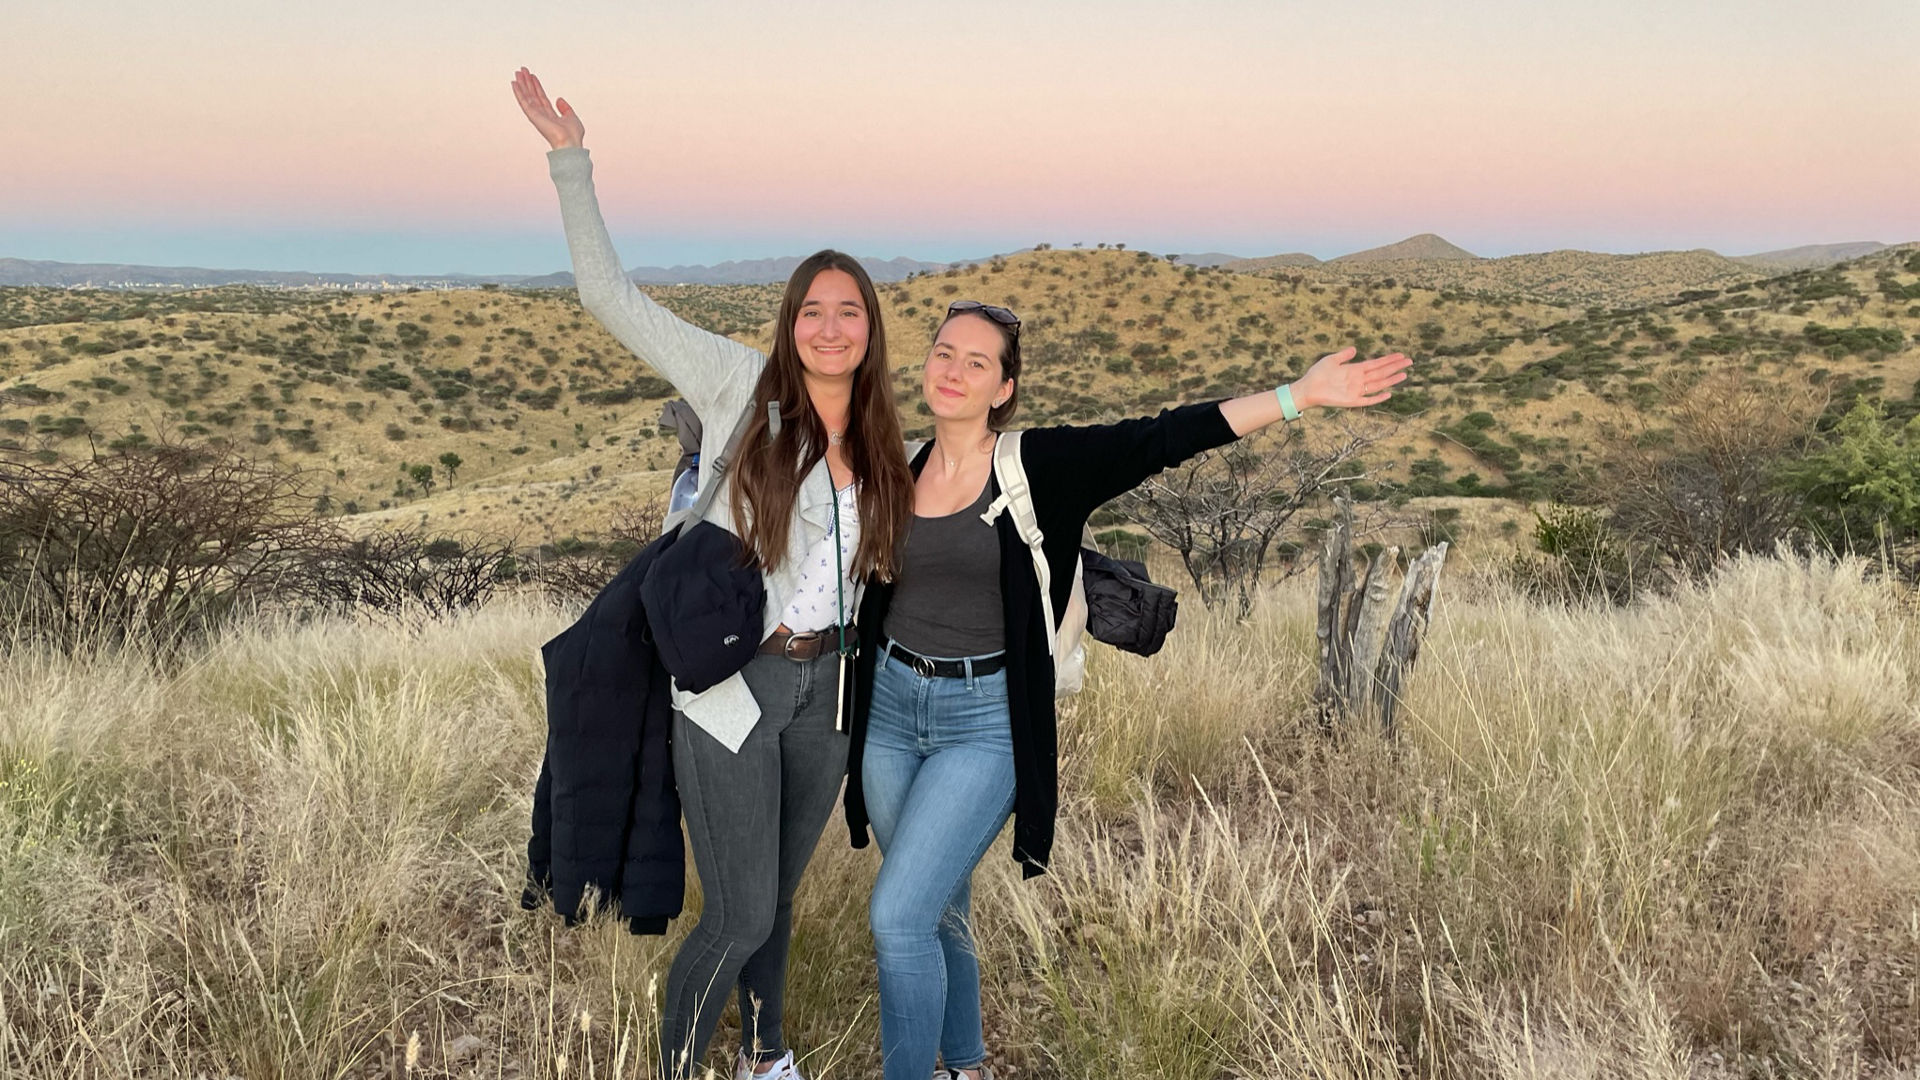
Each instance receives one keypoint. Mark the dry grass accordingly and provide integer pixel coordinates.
(1677, 840)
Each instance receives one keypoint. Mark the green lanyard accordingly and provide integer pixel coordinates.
(840, 612)
(839, 572)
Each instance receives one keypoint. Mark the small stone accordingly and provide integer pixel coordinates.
(464, 1047)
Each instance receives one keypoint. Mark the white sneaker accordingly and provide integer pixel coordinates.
(783, 1069)
(986, 1073)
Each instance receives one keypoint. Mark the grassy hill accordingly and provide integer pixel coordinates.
(554, 421)
(1565, 277)
(541, 405)
(1809, 256)
(1423, 246)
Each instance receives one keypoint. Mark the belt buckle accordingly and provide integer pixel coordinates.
(921, 666)
(805, 637)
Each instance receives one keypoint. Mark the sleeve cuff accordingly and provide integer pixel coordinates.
(569, 163)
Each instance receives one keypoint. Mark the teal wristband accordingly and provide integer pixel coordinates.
(1287, 408)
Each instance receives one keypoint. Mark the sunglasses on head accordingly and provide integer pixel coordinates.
(998, 314)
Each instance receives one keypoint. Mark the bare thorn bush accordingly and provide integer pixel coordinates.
(407, 570)
(1705, 485)
(1223, 513)
(161, 542)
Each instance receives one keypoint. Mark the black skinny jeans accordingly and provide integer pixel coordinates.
(753, 820)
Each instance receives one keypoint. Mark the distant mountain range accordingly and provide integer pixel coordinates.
(761, 271)
(1812, 255)
(120, 275)
(1205, 258)
(1425, 247)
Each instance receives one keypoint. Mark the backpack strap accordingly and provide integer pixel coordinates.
(718, 471)
(1016, 497)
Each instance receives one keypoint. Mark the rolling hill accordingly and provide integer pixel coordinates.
(1810, 255)
(555, 423)
(1562, 277)
(1426, 246)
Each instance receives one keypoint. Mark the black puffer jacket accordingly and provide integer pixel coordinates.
(1125, 608)
(605, 811)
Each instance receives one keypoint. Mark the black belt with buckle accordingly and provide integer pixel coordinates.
(806, 644)
(927, 668)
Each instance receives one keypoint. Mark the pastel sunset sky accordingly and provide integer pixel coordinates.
(382, 137)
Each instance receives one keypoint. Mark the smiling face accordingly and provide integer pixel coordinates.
(830, 331)
(961, 380)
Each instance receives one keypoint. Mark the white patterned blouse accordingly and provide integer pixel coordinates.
(816, 602)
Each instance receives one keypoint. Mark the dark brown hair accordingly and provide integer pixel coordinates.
(768, 477)
(1000, 415)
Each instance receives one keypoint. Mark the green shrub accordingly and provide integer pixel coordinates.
(1856, 340)
(1584, 558)
(539, 399)
(1863, 486)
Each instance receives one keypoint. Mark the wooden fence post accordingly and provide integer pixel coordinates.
(1367, 622)
(1336, 571)
(1411, 617)
(1365, 654)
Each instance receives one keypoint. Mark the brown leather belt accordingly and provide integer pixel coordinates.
(806, 644)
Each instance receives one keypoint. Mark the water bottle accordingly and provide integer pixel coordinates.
(684, 487)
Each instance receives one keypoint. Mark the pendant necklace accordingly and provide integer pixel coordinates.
(952, 462)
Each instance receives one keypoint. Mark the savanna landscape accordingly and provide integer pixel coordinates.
(1651, 809)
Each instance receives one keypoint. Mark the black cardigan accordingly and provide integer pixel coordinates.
(1072, 471)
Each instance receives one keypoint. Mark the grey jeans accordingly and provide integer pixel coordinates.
(753, 820)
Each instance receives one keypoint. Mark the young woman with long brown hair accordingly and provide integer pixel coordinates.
(820, 505)
(957, 732)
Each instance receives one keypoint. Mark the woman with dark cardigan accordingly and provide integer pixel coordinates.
(955, 729)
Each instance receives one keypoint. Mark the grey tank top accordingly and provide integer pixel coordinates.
(947, 600)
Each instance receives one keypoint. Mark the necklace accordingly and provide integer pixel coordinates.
(834, 437)
(954, 462)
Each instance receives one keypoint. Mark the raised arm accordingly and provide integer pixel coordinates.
(713, 372)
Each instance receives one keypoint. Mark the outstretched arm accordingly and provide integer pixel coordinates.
(1085, 466)
(1334, 381)
(712, 372)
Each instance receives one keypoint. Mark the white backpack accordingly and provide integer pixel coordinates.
(1069, 652)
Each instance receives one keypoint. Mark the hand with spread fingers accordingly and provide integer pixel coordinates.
(560, 127)
(1336, 380)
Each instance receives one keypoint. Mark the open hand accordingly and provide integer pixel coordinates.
(1335, 380)
(560, 127)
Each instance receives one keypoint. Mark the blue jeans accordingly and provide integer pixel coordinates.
(938, 777)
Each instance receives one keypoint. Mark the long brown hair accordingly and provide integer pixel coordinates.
(768, 477)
